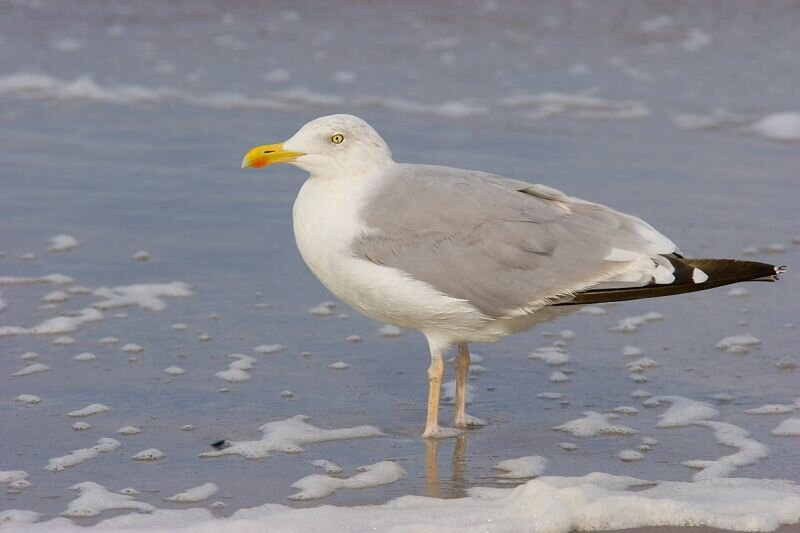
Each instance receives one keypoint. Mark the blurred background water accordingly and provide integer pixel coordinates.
(123, 124)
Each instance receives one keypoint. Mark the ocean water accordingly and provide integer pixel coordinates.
(124, 124)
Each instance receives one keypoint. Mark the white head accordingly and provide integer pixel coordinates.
(328, 147)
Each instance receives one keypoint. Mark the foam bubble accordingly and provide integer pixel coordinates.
(788, 428)
(35, 368)
(149, 297)
(95, 498)
(524, 467)
(28, 398)
(76, 457)
(89, 410)
(593, 424)
(738, 344)
(269, 349)
(319, 486)
(195, 494)
(630, 455)
(633, 323)
(750, 451)
(150, 454)
(329, 467)
(287, 436)
(62, 243)
(683, 411)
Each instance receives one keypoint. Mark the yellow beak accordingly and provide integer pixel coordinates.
(261, 156)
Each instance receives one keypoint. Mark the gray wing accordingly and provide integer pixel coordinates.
(507, 247)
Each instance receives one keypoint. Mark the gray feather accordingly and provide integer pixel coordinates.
(503, 245)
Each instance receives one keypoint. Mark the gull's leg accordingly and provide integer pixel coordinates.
(461, 365)
(435, 375)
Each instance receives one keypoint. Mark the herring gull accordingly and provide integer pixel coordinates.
(466, 256)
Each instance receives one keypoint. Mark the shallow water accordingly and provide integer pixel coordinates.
(161, 175)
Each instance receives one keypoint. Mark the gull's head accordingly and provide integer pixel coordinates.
(336, 145)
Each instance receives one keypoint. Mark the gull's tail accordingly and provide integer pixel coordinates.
(690, 275)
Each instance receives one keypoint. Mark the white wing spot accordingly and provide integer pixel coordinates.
(698, 276)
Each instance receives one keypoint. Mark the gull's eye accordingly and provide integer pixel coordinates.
(337, 139)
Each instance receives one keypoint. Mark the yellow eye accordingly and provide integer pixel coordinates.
(337, 139)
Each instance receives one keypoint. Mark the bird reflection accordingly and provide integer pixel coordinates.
(457, 487)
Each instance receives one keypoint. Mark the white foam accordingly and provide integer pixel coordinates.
(17, 517)
(57, 325)
(239, 370)
(174, 371)
(625, 410)
(750, 451)
(722, 397)
(34, 368)
(558, 377)
(95, 498)
(551, 395)
(62, 243)
(329, 467)
(630, 455)
(319, 486)
(640, 365)
(288, 435)
(548, 504)
(772, 409)
(683, 411)
(108, 341)
(150, 454)
(551, 355)
(195, 494)
(131, 348)
(28, 398)
(10, 476)
(524, 467)
(80, 425)
(738, 344)
(788, 428)
(64, 340)
(339, 365)
(354, 339)
(323, 309)
(129, 430)
(388, 330)
(269, 349)
(148, 296)
(738, 292)
(76, 457)
(633, 323)
(784, 127)
(580, 106)
(593, 424)
(56, 279)
(631, 351)
(89, 410)
(55, 297)
(85, 356)
(141, 256)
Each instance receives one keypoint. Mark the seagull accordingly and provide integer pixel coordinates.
(465, 256)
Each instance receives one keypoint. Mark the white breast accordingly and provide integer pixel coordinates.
(326, 221)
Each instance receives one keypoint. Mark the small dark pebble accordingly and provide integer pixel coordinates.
(221, 444)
